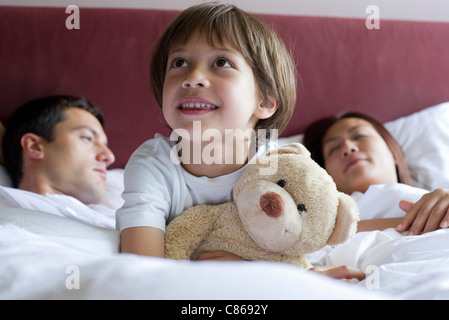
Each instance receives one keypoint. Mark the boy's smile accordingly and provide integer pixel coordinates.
(194, 105)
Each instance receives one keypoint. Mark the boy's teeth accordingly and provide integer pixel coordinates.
(198, 105)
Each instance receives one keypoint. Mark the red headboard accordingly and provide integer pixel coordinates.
(389, 72)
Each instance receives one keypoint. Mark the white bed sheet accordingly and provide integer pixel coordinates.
(407, 267)
(46, 257)
(38, 254)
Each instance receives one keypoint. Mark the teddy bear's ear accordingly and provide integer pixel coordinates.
(347, 219)
(295, 148)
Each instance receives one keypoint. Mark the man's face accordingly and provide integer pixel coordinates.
(75, 162)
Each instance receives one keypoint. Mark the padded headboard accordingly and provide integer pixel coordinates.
(389, 72)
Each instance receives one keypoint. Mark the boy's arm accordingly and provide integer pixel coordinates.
(146, 241)
(186, 232)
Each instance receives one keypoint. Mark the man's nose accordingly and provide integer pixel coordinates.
(106, 156)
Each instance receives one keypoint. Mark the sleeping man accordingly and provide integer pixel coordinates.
(56, 154)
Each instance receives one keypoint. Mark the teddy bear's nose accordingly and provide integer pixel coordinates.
(272, 204)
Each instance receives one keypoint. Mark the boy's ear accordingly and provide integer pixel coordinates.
(265, 111)
(32, 146)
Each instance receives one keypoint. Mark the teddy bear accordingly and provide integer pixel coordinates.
(283, 207)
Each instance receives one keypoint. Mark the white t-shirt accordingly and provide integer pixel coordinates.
(382, 200)
(157, 189)
(60, 205)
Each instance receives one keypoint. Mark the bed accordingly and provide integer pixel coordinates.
(398, 74)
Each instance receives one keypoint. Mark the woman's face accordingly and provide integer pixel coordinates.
(356, 156)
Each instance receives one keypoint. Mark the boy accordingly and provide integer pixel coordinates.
(216, 72)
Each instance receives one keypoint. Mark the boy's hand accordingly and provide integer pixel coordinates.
(219, 256)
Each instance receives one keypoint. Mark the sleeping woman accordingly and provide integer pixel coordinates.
(366, 162)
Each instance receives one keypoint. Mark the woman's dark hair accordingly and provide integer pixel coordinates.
(38, 116)
(314, 134)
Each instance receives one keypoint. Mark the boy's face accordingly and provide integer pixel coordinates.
(75, 162)
(212, 84)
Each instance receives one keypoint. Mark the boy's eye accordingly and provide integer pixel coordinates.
(178, 63)
(222, 63)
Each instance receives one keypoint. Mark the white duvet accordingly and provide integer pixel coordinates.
(43, 256)
(408, 267)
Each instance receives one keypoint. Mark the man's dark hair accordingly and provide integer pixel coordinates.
(40, 117)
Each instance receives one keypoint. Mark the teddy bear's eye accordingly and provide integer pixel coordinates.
(302, 208)
(281, 183)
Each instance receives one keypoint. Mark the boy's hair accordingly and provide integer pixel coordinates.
(40, 117)
(271, 62)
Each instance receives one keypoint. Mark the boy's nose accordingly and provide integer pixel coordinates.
(196, 79)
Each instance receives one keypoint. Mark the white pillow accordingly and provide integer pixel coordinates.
(5, 179)
(114, 186)
(424, 139)
(298, 138)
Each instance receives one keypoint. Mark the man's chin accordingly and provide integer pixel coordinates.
(91, 198)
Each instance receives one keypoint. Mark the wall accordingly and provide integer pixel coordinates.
(431, 10)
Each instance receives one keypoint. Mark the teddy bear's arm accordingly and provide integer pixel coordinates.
(186, 232)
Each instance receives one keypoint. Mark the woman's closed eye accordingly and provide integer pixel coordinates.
(332, 149)
(359, 137)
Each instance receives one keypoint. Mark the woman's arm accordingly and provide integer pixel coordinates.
(378, 224)
(430, 213)
(146, 241)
